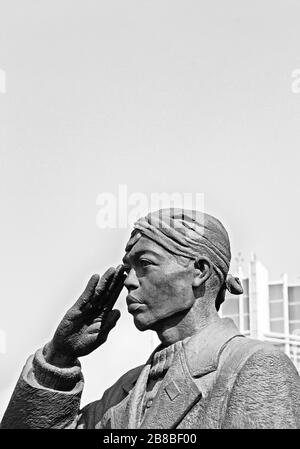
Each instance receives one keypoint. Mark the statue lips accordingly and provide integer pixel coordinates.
(133, 304)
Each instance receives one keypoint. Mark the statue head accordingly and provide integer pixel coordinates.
(174, 259)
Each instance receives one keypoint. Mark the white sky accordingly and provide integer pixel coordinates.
(163, 96)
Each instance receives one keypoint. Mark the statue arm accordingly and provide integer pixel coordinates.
(48, 397)
(49, 389)
(45, 396)
(266, 393)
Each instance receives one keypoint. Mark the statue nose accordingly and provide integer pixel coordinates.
(131, 282)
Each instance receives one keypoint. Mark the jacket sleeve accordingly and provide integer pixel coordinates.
(266, 393)
(45, 396)
(48, 397)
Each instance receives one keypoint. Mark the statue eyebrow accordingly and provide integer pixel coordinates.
(137, 254)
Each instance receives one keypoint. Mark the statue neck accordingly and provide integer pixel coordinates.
(184, 325)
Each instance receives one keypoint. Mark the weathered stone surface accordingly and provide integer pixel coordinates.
(203, 375)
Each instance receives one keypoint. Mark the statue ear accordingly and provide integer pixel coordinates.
(203, 270)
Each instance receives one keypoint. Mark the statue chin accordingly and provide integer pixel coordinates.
(157, 324)
(140, 325)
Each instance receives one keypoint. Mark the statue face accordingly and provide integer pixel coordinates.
(158, 285)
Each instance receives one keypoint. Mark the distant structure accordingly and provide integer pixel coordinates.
(268, 311)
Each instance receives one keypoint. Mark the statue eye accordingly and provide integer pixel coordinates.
(145, 262)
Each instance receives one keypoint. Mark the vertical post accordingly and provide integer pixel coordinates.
(258, 299)
(241, 303)
(286, 314)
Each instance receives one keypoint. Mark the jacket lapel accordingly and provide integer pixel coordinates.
(120, 414)
(176, 394)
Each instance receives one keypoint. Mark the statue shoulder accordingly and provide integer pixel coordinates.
(246, 361)
(250, 352)
(268, 382)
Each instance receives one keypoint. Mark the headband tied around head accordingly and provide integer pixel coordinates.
(190, 234)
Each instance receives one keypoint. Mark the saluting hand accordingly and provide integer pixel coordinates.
(88, 322)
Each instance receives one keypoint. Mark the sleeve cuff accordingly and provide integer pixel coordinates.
(50, 376)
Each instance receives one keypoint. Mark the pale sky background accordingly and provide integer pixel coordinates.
(162, 96)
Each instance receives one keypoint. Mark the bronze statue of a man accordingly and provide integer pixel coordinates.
(204, 374)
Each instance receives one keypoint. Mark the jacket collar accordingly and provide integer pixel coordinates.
(203, 349)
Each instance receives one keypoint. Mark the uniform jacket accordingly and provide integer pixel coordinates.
(220, 379)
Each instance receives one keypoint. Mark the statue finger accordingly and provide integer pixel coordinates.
(115, 287)
(88, 292)
(97, 300)
(110, 322)
(105, 281)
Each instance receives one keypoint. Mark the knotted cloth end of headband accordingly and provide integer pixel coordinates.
(233, 285)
